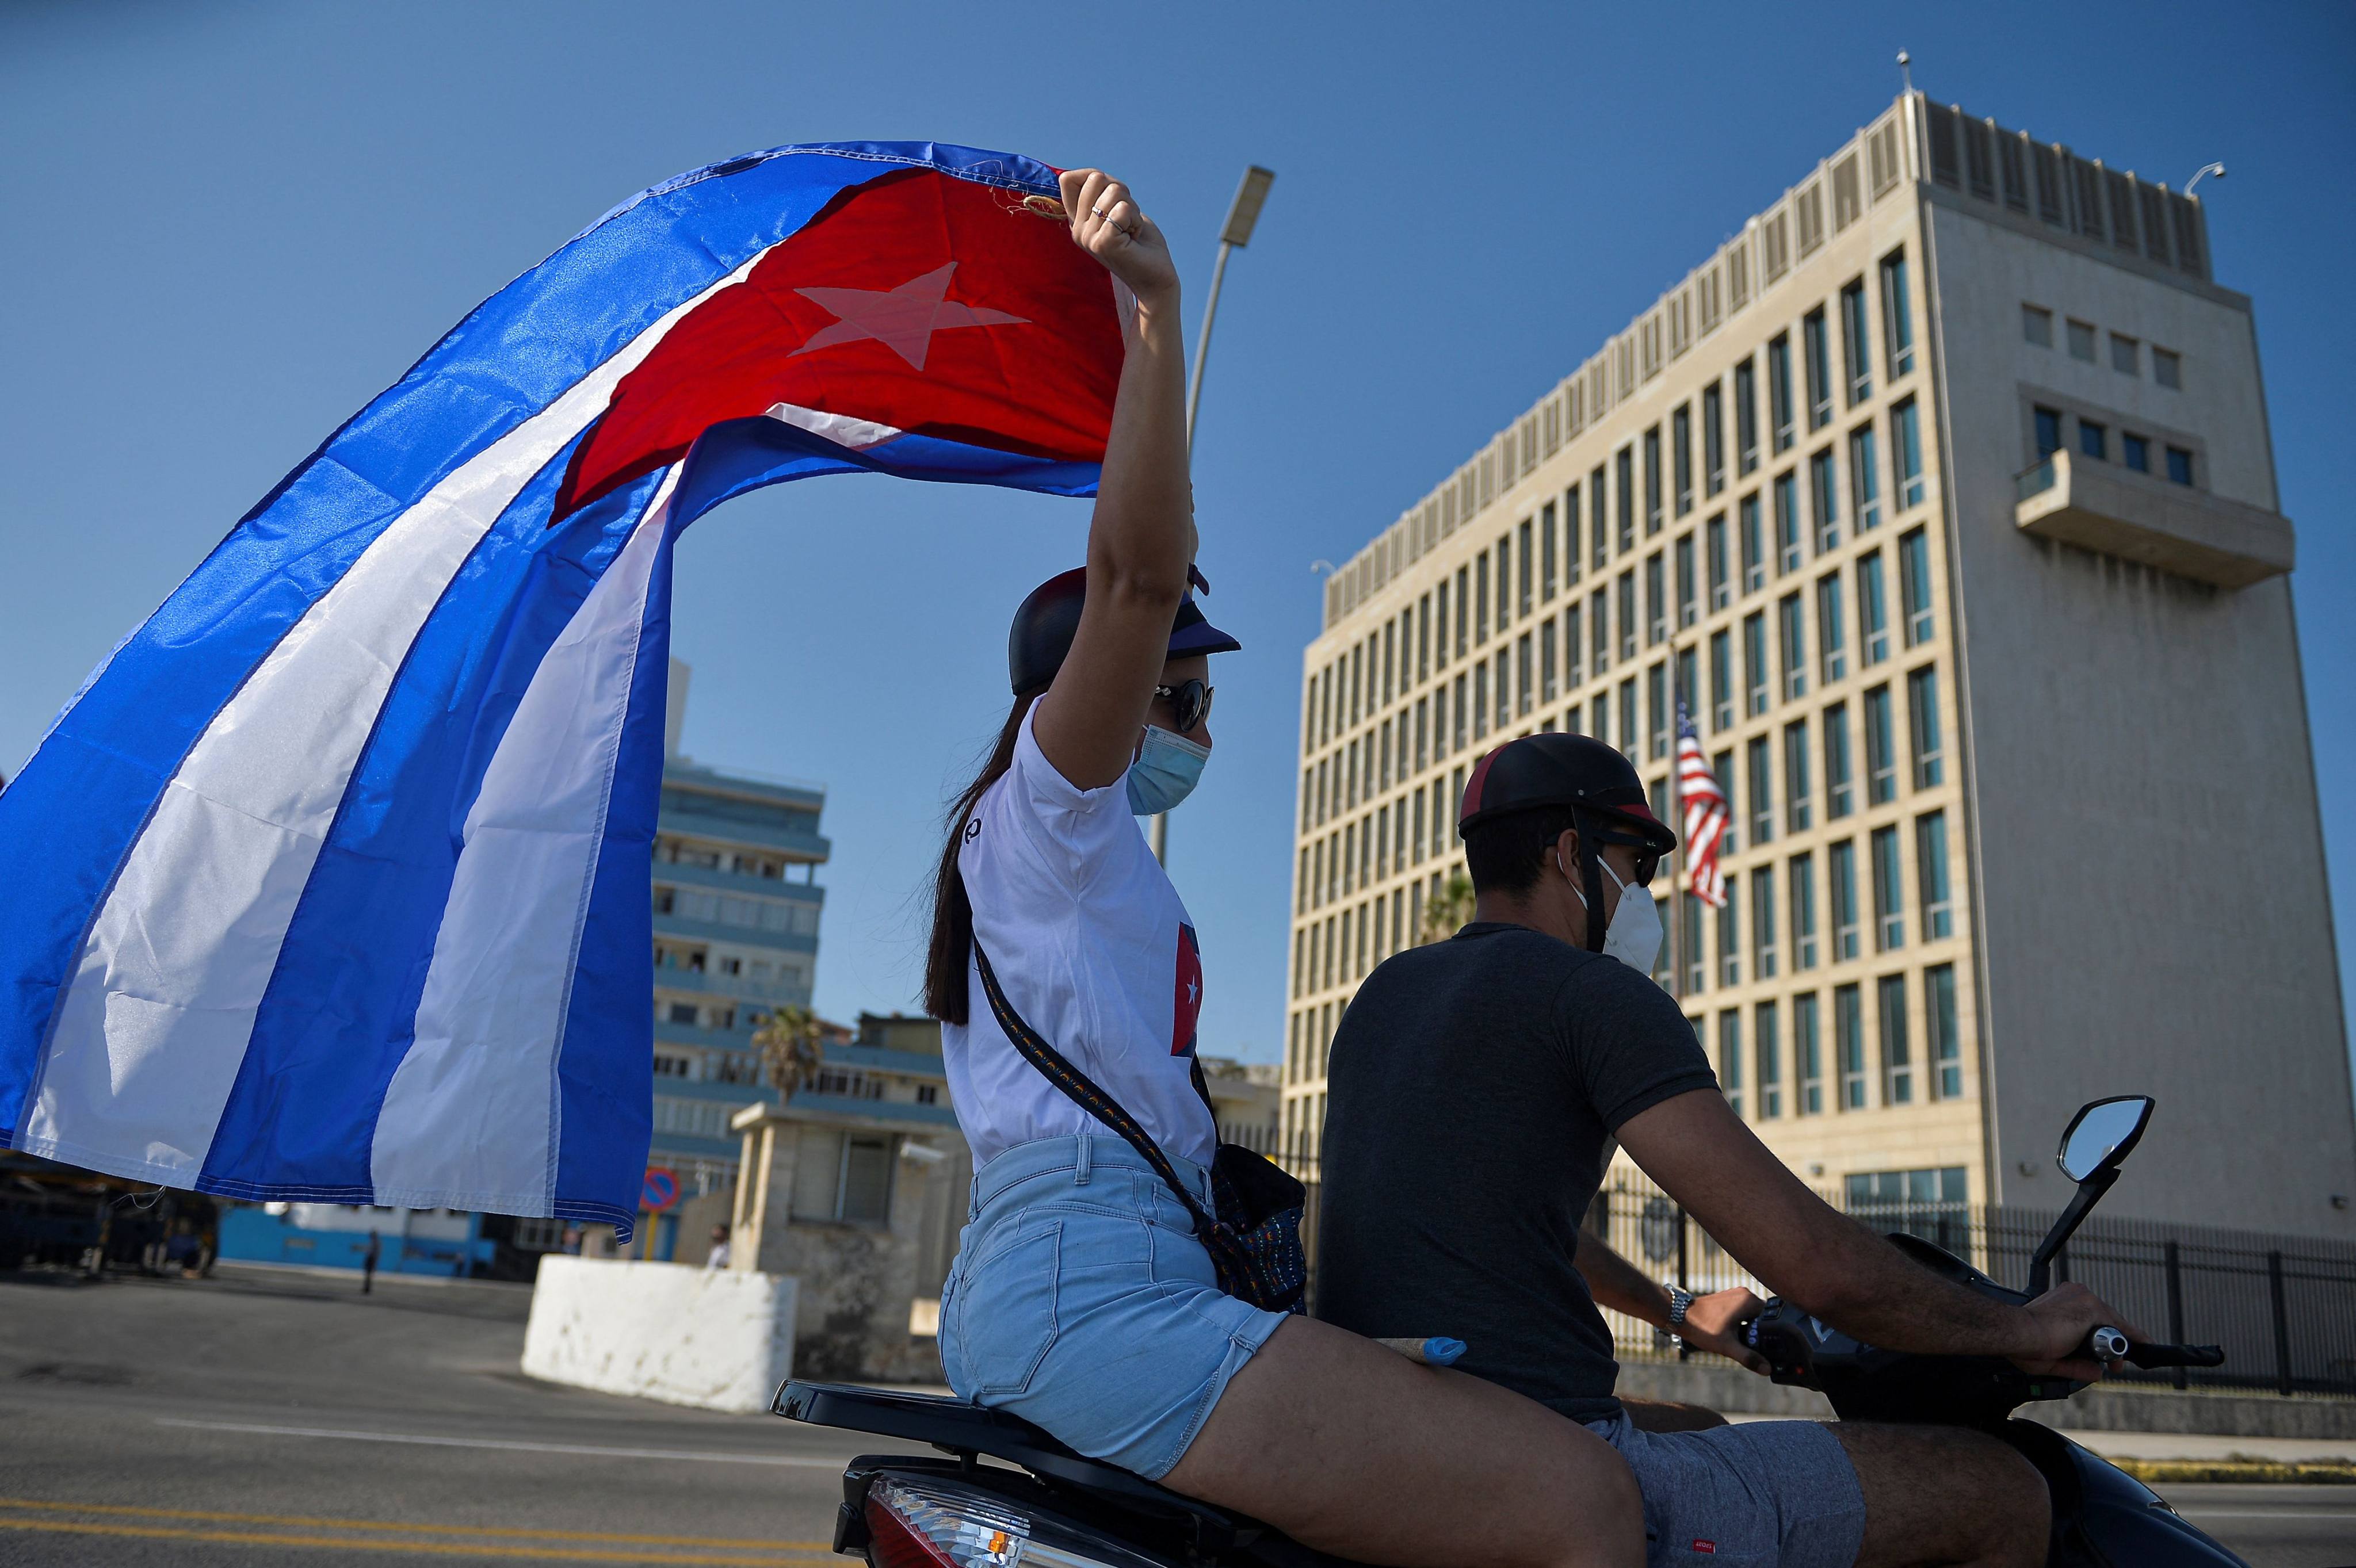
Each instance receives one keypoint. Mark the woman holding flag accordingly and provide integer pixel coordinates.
(1083, 1297)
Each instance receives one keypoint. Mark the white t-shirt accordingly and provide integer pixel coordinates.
(1092, 946)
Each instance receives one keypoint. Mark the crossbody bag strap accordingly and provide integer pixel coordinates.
(1082, 1090)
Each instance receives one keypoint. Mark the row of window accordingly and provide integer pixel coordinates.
(699, 960)
(1829, 1064)
(2134, 450)
(795, 919)
(1519, 677)
(2126, 352)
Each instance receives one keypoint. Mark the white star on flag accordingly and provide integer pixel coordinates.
(903, 319)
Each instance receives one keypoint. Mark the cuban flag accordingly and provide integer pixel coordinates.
(330, 884)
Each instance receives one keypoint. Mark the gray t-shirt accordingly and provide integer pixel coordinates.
(1474, 1091)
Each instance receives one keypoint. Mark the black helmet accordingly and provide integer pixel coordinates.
(1599, 785)
(1044, 627)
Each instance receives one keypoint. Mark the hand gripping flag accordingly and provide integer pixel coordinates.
(331, 883)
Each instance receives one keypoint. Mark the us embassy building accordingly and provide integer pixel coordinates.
(1944, 494)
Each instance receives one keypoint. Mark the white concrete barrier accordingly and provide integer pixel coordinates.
(713, 1338)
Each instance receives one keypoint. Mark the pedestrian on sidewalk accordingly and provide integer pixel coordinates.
(719, 1255)
(368, 1255)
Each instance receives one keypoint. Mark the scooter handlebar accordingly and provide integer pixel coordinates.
(2107, 1344)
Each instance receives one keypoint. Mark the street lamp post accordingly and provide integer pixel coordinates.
(1243, 215)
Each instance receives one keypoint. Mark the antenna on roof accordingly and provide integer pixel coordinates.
(1905, 71)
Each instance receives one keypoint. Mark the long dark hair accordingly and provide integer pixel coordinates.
(952, 943)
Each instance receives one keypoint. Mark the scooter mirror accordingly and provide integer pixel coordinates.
(2101, 1136)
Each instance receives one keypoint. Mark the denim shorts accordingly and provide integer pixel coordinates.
(1756, 1494)
(1081, 1301)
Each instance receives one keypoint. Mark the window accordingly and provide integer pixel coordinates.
(1820, 370)
(1746, 419)
(1763, 922)
(1628, 613)
(1856, 344)
(1722, 768)
(1888, 892)
(1755, 661)
(1827, 495)
(2049, 432)
(1799, 801)
(2036, 326)
(1931, 874)
(1657, 708)
(1788, 523)
(1769, 1056)
(1422, 716)
(1599, 613)
(1729, 935)
(1651, 481)
(1804, 911)
(1713, 440)
(2135, 451)
(1898, 316)
(1760, 785)
(1626, 464)
(1570, 556)
(1697, 975)
(1628, 717)
(1457, 735)
(1945, 1048)
(1505, 692)
(1480, 599)
(1791, 619)
(1840, 798)
(2180, 466)
(1923, 711)
(2127, 355)
(2168, 368)
(1721, 591)
(1681, 456)
(1848, 1046)
(1479, 698)
(1597, 553)
(844, 1176)
(1906, 450)
(1546, 666)
(1779, 389)
(1730, 1057)
(1464, 621)
(1897, 1063)
(1880, 754)
(1721, 681)
(1573, 647)
(2081, 341)
(1688, 606)
(1864, 479)
(1754, 550)
(2093, 440)
(1657, 606)
(1546, 552)
(1914, 586)
(1840, 877)
(1524, 695)
(1807, 1056)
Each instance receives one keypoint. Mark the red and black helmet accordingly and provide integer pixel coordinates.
(1595, 782)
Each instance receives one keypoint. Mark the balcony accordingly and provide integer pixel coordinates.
(2140, 518)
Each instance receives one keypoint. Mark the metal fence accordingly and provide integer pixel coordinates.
(2283, 1308)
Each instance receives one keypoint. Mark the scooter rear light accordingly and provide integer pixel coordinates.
(922, 1524)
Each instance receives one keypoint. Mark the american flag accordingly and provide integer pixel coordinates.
(1705, 805)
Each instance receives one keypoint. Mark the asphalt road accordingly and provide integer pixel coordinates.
(292, 1421)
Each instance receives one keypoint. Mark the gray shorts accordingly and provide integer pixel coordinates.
(1762, 1494)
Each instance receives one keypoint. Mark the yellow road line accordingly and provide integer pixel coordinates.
(505, 1533)
(421, 1548)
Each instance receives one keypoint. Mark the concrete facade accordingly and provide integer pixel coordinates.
(1989, 642)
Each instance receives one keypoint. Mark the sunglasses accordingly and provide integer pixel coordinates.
(1189, 702)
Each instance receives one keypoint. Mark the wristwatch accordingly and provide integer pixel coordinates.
(1679, 1299)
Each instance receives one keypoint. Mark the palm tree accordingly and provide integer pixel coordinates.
(1450, 908)
(788, 1043)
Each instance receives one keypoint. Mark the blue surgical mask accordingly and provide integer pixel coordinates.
(1167, 769)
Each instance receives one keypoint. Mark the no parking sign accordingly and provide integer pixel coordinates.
(660, 1189)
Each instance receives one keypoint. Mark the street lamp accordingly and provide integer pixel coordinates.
(2217, 169)
(1243, 215)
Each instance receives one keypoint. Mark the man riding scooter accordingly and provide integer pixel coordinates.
(1475, 1089)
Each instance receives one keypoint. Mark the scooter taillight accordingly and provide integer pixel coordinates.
(915, 1523)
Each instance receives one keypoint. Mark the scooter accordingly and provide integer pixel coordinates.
(1045, 1505)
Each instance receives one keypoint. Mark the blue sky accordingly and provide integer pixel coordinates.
(230, 225)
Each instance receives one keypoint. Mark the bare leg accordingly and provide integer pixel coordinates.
(1669, 1415)
(1357, 1451)
(1945, 1496)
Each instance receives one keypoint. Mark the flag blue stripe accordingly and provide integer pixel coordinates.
(339, 1012)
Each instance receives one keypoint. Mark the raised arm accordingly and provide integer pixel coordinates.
(1705, 1157)
(1141, 537)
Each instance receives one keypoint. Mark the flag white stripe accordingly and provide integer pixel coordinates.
(160, 1007)
(470, 1119)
